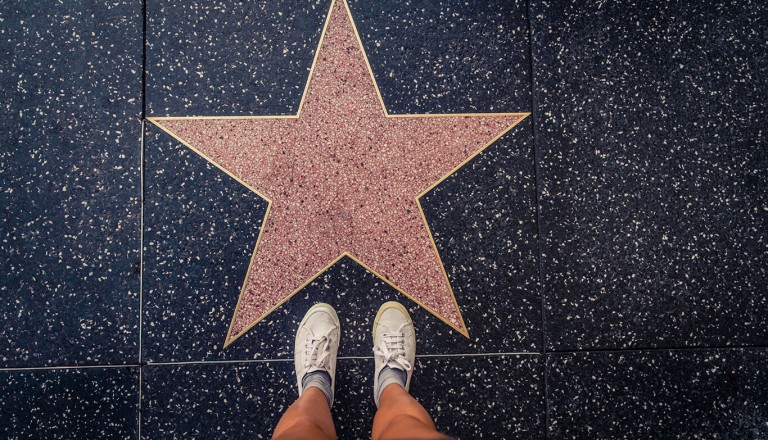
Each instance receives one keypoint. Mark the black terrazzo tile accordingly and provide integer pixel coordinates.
(69, 182)
(483, 220)
(446, 56)
(495, 397)
(201, 227)
(692, 394)
(246, 400)
(215, 400)
(229, 58)
(84, 403)
(650, 130)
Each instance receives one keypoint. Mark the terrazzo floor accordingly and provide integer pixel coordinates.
(569, 197)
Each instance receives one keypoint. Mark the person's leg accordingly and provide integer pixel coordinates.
(308, 417)
(315, 350)
(399, 415)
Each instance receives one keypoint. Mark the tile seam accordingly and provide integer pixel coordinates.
(141, 197)
(539, 238)
(424, 356)
(138, 421)
(67, 367)
(141, 272)
(655, 349)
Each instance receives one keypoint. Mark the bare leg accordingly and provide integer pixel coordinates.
(308, 418)
(315, 349)
(400, 416)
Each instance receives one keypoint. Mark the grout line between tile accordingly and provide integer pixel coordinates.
(538, 188)
(220, 362)
(141, 269)
(655, 349)
(450, 355)
(69, 367)
(144, 59)
(141, 240)
(141, 197)
(537, 184)
(423, 356)
(512, 353)
(138, 429)
(256, 361)
(547, 406)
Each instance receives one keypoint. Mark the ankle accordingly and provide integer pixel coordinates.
(390, 376)
(321, 381)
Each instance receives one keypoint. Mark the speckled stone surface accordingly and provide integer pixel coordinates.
(70, 403)
(247, 399)
(488, 397)
(201, 224)
(215, 401)
(643, 167)
(437, 56)
(229, 58)
(653, 165)
(659, 394)
(69, 182)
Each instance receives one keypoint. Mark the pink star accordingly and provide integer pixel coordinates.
(343, 178)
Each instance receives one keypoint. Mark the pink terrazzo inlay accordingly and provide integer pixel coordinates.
(342, 178)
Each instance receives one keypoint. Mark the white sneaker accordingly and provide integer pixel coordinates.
(394, 343)
(317, 343)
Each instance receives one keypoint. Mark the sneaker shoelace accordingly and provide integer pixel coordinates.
(317, 353)
(392, 353)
